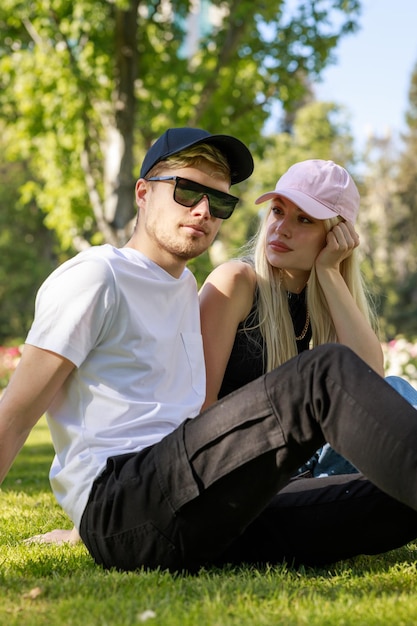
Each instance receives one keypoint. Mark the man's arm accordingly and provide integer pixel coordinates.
(34, 384)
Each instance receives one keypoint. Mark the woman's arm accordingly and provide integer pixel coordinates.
(352, 329)
(225, 300)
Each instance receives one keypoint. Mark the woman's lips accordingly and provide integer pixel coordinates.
(279, 246)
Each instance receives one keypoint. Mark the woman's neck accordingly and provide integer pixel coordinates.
(295, 282)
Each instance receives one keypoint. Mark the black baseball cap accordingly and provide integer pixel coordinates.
(175, 140)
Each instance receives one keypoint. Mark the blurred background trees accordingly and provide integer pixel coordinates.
(87, 85)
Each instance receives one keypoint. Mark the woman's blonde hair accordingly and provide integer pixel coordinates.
(275, 323)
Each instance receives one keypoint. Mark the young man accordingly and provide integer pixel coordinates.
(115, 358)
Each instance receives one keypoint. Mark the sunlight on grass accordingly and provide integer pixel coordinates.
(60, 585)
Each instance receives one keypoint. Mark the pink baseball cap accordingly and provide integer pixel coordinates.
(320, 188)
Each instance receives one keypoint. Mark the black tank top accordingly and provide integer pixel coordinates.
(248, 357)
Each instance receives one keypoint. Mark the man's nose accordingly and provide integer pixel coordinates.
(202, 208)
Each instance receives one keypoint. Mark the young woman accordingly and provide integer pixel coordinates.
(299, 286)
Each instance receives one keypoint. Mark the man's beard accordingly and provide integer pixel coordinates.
(180, 246)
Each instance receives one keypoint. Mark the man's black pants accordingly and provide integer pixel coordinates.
(219, 490)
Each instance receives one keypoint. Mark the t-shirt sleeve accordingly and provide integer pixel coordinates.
(73, 308)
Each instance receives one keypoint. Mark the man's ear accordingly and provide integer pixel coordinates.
(140, 192)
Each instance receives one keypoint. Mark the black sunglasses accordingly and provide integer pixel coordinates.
(189, 193)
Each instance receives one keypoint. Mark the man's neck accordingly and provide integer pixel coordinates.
(171, 265)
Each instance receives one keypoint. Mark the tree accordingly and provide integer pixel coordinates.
(380, 208)
(403, 228)
(27, 251)
(86, 86)
(389, 222)
(407, 167)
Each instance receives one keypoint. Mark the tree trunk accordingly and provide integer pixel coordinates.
(118, 175)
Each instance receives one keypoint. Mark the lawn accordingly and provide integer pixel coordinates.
(60, 585)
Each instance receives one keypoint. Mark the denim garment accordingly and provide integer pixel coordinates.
(404, 388)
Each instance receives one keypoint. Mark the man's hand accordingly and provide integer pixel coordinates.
(57, 536)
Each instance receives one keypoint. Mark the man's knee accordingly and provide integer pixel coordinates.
(333, 356)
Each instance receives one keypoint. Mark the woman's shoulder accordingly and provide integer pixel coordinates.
(236, 274)
(241, 269)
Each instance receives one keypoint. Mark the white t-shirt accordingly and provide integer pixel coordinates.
(133, 332)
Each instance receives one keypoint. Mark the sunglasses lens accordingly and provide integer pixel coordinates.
(221, 207)
(189, 194)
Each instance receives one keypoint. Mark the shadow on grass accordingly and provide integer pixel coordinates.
(30, 470)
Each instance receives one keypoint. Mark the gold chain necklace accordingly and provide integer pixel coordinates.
(305, 329)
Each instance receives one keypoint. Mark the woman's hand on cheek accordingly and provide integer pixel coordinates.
(341, 240)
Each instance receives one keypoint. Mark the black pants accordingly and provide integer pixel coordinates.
(218, 489)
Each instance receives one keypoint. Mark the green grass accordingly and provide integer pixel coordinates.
(60, 585)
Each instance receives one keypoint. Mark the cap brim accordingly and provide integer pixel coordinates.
(305, 202)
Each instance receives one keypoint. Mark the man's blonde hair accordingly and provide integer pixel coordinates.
(194, 157)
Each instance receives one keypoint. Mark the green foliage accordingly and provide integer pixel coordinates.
(65, 100)
(42, 585)
(27, 251)
(52, 79)
(402, 315)
(86, 86)
(388, 220)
